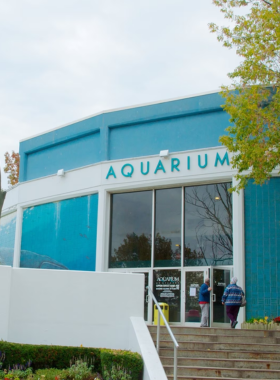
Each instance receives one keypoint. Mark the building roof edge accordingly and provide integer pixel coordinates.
(119, 109)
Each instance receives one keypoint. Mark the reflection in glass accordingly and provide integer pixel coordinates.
(221, 278)
(65, 234)
(131, 227)
(7, 238)
(193, 282)
(168, 228)
(145, 297)
(146, 293)
(208, 225)
(167, 289)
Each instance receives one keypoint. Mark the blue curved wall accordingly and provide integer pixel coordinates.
(49, 160)
(60, 235)
(178, 125)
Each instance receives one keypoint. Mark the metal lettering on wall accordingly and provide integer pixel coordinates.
(144, 168)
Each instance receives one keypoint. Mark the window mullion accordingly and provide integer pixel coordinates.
(153, 229)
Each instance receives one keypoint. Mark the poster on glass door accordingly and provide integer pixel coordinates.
(167, 287)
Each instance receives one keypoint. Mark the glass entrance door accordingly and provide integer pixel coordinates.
(167, 289)
(193, 279)
(146, 296)
(219, 280)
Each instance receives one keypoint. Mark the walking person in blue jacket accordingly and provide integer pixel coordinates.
(232, 298)
(204, 302)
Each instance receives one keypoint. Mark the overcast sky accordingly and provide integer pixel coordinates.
(65, 59)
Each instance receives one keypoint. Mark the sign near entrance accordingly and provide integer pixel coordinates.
(167, 289)
(127, 169)
(193, 292)
(204, 161)
(167, 285)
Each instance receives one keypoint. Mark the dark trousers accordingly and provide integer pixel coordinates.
(232, 312)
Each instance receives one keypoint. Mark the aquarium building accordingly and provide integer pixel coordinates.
(144, 189)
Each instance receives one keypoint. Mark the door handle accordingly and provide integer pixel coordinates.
(214, 297)
(147, 298)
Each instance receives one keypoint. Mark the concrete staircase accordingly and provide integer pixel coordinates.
(212, 353)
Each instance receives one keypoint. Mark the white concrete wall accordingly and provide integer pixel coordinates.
(5, 286)
(11, 200)
(69, 307)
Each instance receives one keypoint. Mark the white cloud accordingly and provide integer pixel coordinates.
(63, 60)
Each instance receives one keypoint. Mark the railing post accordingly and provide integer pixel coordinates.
(176, 345)
(158, 330)
(175, 362)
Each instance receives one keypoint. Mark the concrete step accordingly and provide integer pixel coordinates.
(169, 352)
(217, 331)
(222, 346)
(224, 372)
(206, 338)
(223, 363)
(224, 354)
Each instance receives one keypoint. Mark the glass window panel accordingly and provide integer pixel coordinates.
(131, 230)
(168, 228)
(146, 293)
(60, 235)
(7, 238)
(221, 279)
(167, 289)
(193, 282)
(208, 225)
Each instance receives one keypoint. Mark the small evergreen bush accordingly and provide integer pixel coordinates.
(43, 356)
(80, 370)
(130, 362)
(116, 373)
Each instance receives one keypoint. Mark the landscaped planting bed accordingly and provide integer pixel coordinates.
(33, 362)
(260, 323)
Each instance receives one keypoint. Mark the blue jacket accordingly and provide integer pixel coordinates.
(232, 295)
(204, 294)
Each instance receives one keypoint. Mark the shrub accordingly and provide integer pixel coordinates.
(80, 370)
(129, 361)
(16, 373)
(51, 374)
(59, 357)
(2, 358)
(116, 373)
(46, 356)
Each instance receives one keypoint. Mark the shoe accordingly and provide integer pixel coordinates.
(234, 324)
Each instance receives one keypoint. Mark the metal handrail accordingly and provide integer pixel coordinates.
(176, 345)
